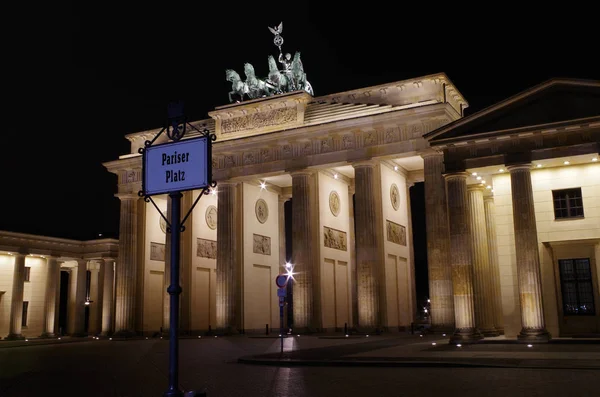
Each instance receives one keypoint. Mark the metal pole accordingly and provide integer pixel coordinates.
(174, 291)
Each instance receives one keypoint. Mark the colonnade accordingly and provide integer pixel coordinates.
(462, 255)
(101, 312)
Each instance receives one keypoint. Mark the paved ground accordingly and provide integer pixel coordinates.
(390, 365)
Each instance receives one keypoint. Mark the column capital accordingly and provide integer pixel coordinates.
(476, 186)
(519, 167)
(431, 152)
(304, 171)
(127, 196)
(456, 175)
(366, 163)
(488, 197)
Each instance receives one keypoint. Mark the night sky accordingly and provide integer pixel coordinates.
(77, 80)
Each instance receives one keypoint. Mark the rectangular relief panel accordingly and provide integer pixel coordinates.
(157, 252)
(335, 239)
(262, 244)
(155, 301)
(396, 233)
(206, 248)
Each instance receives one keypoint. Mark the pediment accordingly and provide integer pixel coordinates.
(554, 101)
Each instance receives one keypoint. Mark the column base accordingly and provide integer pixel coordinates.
(14, 337)
(442, 329)
(534, 336)
(465, 335)
(489, 332)
(46, 335)
(305, 330)
(227, 331)
(124, 333)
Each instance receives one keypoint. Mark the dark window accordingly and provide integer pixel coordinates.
(27, 273)
(24, 318)
(576, 286)
(567, 203)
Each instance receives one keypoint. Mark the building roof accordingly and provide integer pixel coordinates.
(553, 101)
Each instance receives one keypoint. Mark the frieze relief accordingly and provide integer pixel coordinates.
(259, 120)
(326, 143)
(206, 248)
(262, 244)
(335, 239)
(395, 233)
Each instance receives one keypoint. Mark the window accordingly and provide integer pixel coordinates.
(27, 273)
(576, 286)
(24, 318)
(567, 203)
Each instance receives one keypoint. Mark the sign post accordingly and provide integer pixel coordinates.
(281, 281)
(171, 168)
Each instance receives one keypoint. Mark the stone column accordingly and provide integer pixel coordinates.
(282, 256)
(484, 297)
(228, 257)
(51, 303)
(107, 296)
(127, 267)
(167, 273)
(78, 311)
(16, 305)
(490, 220)
(528, 257)
(461, 260)
(281, 225)
(368, 243)
(98, 298)
(352, 248)
(412, 304)
(438, 244)
(304, 251)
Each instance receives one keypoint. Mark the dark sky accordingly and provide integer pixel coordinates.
(77, 80)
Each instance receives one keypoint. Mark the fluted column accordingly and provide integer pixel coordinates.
(368, 242)
(16, 305)
(484, 297)
(126, 267)
(352, 249)
(303, 251)
(281, 225)
(107, 296)
(490, 220)
(528, 257)
(228, 257)
(50, 301)
(78, 301)
(167, 273)
(461, 260)
(438, 244)
(98, 298)
(412, 304)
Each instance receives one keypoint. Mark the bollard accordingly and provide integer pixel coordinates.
(345, 328)
(266, 329)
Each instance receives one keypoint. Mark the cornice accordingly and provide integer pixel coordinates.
(515, 133)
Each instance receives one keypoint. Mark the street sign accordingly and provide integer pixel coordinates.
(177, 166)
(281, 280)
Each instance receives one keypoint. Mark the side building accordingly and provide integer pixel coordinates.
(52, 286)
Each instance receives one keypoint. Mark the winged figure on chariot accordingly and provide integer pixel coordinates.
(290, 77)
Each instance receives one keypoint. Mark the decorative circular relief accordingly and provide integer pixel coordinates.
(211, 217)
(395, 196)
(334, 203)
(163, 223)
(262, 211)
